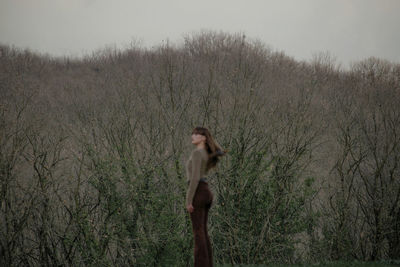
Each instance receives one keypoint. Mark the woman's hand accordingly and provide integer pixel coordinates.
(190, 208)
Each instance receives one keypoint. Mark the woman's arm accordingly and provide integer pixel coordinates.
(195, 178)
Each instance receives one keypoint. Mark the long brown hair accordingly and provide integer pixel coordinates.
(214, 150)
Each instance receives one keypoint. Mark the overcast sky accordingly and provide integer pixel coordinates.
(350, 30)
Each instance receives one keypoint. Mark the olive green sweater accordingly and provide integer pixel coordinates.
(196, 168)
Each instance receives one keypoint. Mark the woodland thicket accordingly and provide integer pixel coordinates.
(93, 152)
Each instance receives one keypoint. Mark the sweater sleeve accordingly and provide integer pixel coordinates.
(195, 178)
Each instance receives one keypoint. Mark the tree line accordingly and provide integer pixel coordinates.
(93, 153)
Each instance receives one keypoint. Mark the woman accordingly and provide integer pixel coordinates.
(198, 196)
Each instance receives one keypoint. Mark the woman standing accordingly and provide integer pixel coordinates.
(198, 197)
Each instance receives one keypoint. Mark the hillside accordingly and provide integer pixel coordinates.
(93, 152)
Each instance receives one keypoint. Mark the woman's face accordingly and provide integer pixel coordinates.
(198, 138)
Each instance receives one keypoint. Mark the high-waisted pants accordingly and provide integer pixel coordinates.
(202, 201)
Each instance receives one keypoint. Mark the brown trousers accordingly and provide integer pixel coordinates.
(202, 201)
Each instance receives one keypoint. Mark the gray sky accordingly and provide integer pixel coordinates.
(350, 30)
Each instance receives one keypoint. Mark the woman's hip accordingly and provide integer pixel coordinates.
(203, 195)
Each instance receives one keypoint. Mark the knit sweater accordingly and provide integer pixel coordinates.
(196, 168)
